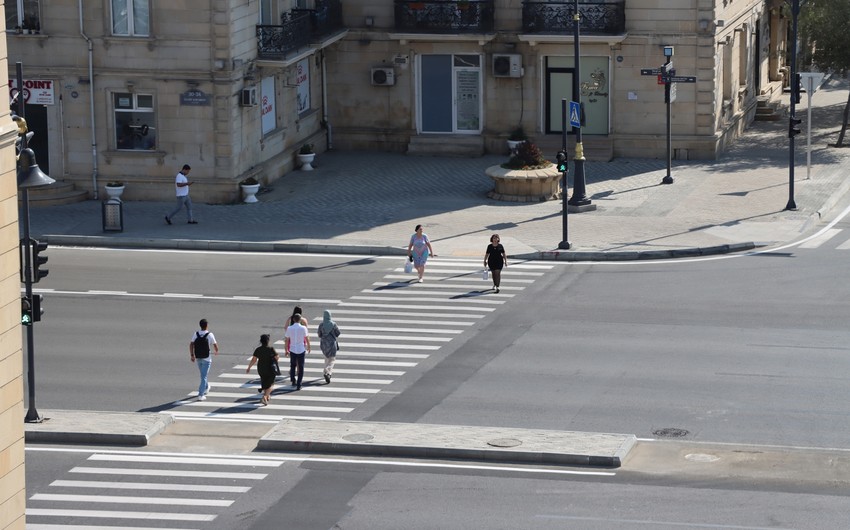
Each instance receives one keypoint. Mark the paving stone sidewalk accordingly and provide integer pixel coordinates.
(369, 201)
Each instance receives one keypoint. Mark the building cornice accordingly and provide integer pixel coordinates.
(404, 38)
(535, 39)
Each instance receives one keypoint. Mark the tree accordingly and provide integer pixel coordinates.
(825, 27)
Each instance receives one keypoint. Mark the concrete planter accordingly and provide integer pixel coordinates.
(114, 192)
(513, 144)
(306, 161)
(249, 192)
(518, 185)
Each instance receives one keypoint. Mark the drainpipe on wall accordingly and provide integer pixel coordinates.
(325, 103)
(91, 103)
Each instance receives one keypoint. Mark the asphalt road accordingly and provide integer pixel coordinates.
(117, 323)
(742, 357)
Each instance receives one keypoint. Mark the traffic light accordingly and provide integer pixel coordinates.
(793, 127)
(37, 310)
(38, 260)
(26, 311)
(562, 161)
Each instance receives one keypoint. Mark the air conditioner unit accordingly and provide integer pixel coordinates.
(507, 65)
(249, 97)
(383, 76)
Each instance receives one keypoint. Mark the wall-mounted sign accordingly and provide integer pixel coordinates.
(196, 98)
(36, 91)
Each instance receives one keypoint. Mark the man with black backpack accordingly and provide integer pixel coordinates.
(203, 343)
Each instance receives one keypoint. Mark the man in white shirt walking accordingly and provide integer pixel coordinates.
(181, 185)
(297, 347)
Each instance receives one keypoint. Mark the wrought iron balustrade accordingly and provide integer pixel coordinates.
(444, 16)
(298, 29)
(325, 19)
(597, 18)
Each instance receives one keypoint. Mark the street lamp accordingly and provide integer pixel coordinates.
(579, 197)
(29, 176)
(795, 97)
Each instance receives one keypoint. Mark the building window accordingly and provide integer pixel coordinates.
(22, 14)
(135, 121)
(131, 18)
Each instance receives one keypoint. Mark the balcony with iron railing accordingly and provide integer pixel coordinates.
(299, 29)
(444, 16)
(597, 18)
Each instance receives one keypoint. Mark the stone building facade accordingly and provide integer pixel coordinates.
(480, 70)
(131, 90)
(12, 478)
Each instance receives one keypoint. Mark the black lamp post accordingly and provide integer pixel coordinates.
(795, 95)
(29, 176)
(579, 197)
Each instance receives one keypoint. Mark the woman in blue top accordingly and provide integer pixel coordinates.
(419, 249)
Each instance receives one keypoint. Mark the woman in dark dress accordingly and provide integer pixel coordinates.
(265, 357)
(495, 259)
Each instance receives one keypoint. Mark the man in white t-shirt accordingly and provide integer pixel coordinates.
(297, 347)
(181, 185)
(201, 349)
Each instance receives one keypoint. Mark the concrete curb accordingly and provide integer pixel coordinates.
(415, 440)
(374, 250)
(96, 428)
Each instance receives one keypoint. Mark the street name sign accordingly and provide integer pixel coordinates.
(682, 79)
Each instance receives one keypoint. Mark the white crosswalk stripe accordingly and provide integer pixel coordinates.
(816, 242)
(185, 489)
(387, 330)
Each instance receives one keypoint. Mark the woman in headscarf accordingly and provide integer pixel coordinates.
(328, 332)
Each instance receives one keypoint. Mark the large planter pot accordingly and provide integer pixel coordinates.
(249, 192)
(114, 192)
(306, 161)
(525, 185)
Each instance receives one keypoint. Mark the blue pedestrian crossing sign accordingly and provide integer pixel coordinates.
(575, 113)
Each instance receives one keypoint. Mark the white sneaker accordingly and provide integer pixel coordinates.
(202, 398)
(420, 280)
(208, 389)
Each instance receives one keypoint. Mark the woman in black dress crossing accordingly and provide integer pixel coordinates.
(495, 259)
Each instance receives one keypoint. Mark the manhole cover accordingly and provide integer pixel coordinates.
(670, 432)
(358, 437)
(701, 457)
(504, 442)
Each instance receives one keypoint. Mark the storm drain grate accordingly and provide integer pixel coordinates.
(670, 432)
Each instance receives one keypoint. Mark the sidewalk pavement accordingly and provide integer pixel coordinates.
(361, 438)
(369, 203)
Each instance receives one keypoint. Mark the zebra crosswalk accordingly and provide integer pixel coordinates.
(388, 330)
(830, 238)
(139, 491)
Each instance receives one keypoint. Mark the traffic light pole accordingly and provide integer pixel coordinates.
(562, 162)
(32, 414)
(668, 98)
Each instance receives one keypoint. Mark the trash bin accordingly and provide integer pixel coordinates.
(113, 215)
